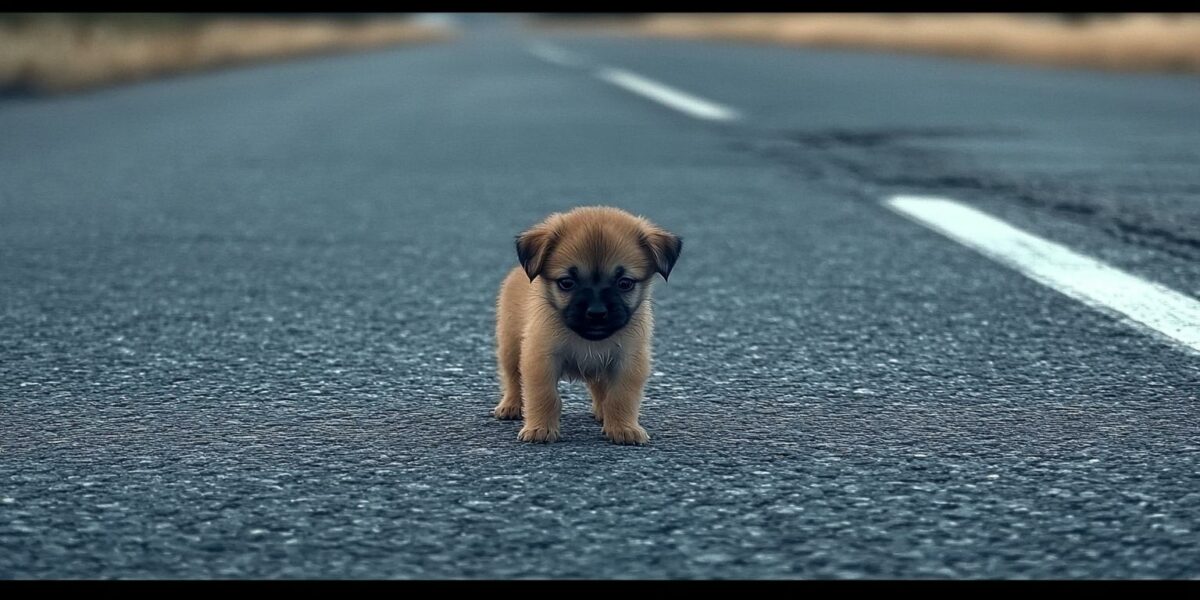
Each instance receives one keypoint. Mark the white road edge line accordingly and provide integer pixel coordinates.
(681, 101)
(554, 55)
(1098, 285)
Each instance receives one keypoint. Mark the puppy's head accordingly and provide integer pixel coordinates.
(595, 265)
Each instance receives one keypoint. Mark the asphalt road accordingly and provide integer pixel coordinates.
(246, 321)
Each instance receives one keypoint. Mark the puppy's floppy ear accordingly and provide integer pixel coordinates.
(664, 248)
(535, 245)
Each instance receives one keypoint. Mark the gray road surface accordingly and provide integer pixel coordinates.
(246, 321)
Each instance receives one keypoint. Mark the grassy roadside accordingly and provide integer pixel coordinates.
(1123, 42)
(49, 53)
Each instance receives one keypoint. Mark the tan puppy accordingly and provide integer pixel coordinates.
(578, 307)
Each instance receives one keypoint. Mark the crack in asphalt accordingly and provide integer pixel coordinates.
(832, 154)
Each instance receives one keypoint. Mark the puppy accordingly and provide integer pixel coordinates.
(578, 307)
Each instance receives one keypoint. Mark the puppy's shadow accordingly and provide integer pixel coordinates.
(577, 422)
(576, 425)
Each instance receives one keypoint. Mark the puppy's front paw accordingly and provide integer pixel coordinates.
(626, 434)
(543, 435)
(507, 411)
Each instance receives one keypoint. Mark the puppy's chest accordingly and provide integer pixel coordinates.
(587, 362)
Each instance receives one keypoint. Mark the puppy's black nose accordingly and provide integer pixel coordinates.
(597, 312)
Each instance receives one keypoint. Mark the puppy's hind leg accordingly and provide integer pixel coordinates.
(508, 358)
(510, 385)
(598, 389)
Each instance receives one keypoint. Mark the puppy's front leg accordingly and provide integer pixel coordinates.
(623, 401)
(542, 406)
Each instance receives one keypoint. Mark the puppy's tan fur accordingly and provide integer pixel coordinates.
(536, 349)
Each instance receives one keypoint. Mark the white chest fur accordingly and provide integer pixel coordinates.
(582, 359)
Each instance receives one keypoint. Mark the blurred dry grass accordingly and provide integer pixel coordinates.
(53, 53)
(1120, 42)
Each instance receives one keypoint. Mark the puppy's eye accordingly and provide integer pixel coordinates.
(625, 284)
(566, 284)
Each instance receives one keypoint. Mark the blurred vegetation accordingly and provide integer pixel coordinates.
(1116, 41)
(52, 52)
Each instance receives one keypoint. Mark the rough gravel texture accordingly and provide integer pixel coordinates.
(246, 323)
